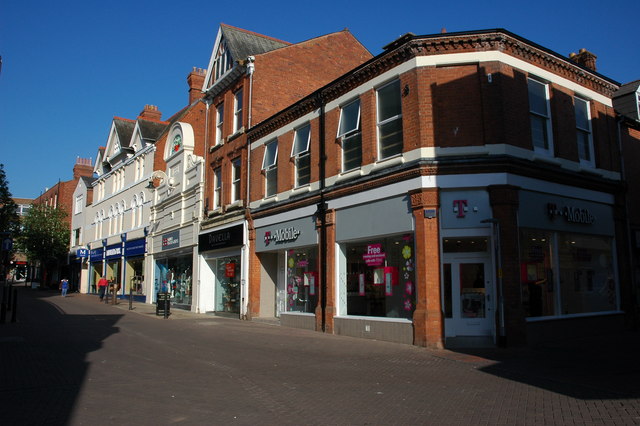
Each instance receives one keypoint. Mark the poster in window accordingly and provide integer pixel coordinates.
(310, 281)
(378, 276)
(361, 289)
(230, 270)
(388, 284)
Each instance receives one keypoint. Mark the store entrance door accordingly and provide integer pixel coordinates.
(468, 296)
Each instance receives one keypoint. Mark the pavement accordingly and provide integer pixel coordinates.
(75, 361)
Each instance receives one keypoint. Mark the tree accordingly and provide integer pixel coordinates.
(9, 219)
(45, 236)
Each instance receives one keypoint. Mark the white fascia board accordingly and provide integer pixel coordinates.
(211, 60)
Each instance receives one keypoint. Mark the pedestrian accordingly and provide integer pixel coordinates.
(64, 286)
(102, 286)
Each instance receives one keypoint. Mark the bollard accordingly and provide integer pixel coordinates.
(14, 308)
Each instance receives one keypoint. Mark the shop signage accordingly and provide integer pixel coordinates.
(374, 255)
(228, 237)
(283, 235)
(460, 208)
(113, 251)
(135, 247)
(171, 240)
(230, 270)
(571, 214)
(82, 253)
(95, 255)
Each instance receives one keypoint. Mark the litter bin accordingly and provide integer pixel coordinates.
(163, 304)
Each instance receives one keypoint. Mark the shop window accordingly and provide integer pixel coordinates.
(236, 170)
(583, 131)
(580, 280)
(389, 120)
(350, 136)
(173, 275)
(228, 284)
(381, 277)
(540, 116)
(219, 123)
(302, 280)
(300, 154)
(270, 168)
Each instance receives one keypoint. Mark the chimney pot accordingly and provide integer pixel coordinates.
(584, 58)
(150, 112)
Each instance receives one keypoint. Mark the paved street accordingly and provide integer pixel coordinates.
(74, 361)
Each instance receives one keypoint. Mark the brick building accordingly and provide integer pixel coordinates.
(250, 77)
(457, 189)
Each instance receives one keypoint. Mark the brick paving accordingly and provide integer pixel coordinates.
(74, 361)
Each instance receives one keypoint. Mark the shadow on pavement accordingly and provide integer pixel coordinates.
(591, 368)
(43, 358)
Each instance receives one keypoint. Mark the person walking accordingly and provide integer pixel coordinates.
(64, 286)
(102, 287)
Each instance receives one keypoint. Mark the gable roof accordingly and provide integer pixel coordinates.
(124, 129)
(151, 130)
(242, 43)
(625, 89)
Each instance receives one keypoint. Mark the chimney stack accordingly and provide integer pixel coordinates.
(584, 58)
(195, 80)
(150, 112)
(83, 167)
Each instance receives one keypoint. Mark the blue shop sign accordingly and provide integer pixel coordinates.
(114, 251)
(82, 253)
(95, 255)
(135, 247)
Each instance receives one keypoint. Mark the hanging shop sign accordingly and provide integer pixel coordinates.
(82, 253)
(135, 247)
(114, 251)
(222, 238)
(171, 240)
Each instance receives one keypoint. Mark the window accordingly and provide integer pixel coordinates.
(217, 188)
(237, 111)
(583, 131)
(540, 117)
(236, 170)
(566, 273)
(223, 61)
(350, 136)
(380, 277)
(219, 122)
(302, 280)
(389, 120)
(79, 204)
(270, 167)
(300, 151)
(76, 237)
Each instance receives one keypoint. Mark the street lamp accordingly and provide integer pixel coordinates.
(495, 226)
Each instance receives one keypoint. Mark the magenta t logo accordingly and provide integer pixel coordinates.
(459, 207)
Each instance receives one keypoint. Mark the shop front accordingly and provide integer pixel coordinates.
(96, 260)
(568, 273)
(377, 283)
(222, 282)
(174, 271)
(289, 280)
(134, 251)
(113, 265)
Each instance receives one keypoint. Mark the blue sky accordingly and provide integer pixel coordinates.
(69, 67)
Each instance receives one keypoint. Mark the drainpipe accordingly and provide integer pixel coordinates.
(243, 288)
(322, 211)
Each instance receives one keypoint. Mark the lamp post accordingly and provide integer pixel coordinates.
(495, 227)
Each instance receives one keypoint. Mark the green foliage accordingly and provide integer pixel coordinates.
(9, 219)
(45, 234)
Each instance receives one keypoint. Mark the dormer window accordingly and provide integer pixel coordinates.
(223, 61)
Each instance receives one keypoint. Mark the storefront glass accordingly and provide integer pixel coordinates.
(135, 276)
(302, 280)
(95, 276)
(173, 275)
(228, 284)
(585, 281)
(381, 277)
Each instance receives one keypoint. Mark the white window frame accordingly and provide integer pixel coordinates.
(236, 173)
(350, 135)
(270, 168)
(219, 123)
(238, 107)
(548, 150)
(301, 155)
(382, 123)
(79, 204)
(217, 188)
(585, 132)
